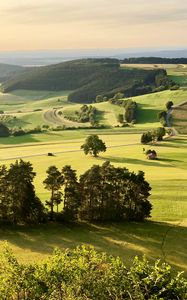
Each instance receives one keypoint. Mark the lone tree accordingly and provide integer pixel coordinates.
(93, 145)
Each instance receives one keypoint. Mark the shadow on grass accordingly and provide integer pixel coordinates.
(172, 143)
(120, 239)
(147, 115)
(127, 160)
(169, 160)
(14, 140)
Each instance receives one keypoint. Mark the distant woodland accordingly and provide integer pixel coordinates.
(154, 60)
(89, 77)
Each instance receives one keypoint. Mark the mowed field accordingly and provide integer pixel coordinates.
(164, 236)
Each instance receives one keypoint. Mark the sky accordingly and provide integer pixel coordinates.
(92, 24)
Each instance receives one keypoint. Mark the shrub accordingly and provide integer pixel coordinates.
(83, 273)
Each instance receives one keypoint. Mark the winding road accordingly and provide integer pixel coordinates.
(52, 116)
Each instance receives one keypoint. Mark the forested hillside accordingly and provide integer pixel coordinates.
(7, 71)
(89, 77)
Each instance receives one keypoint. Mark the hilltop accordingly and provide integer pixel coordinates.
(89, 77)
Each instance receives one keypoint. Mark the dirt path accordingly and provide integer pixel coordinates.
(52, 116)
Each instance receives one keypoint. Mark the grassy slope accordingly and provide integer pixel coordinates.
(169, 198)
(27, 101)
(149, 107)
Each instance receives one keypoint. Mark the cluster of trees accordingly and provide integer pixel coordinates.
(103, 193)
(110, 193)
(117, 96)
(87, 113)
(84, 273)
(130, 113)
(153, 136)
(87, 78)
(163, 116)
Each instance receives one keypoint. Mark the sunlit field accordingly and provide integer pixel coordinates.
(167, 177)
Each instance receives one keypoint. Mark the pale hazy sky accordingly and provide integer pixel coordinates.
(65, 24)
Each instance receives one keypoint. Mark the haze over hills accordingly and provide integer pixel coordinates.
(46, 57)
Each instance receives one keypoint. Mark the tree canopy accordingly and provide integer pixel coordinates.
(93, 145)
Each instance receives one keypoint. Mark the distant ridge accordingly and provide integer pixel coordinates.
(47, 57)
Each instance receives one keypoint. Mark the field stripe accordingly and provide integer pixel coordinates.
(61, 152)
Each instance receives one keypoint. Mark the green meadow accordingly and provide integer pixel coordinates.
(164, 235)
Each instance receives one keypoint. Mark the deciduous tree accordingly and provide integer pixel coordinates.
(93, 145)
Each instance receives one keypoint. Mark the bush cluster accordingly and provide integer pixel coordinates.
(153, 136)
(130, 113)
(87, 113)
(83, 273)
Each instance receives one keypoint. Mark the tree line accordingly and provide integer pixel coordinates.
(154, 60)
(102, 193)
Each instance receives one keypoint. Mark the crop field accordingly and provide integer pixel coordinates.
(179, 115)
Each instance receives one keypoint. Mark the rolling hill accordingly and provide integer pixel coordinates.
(87, 78)
(7, 71)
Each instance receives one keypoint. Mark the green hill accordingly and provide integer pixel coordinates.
(87, 78)
(7, 71)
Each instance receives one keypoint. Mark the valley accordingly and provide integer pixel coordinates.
(163, 235)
